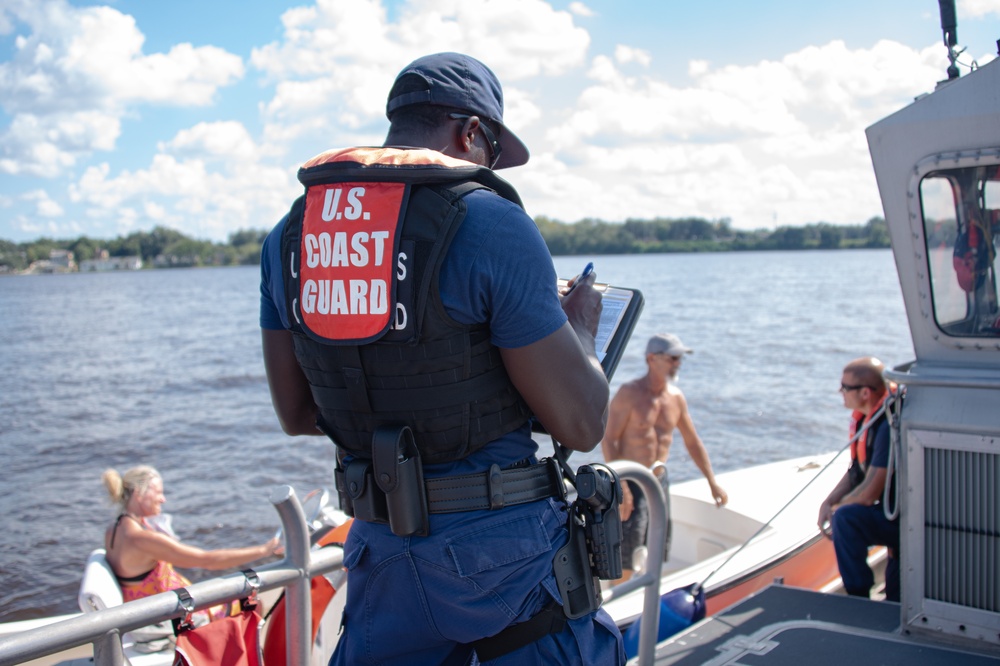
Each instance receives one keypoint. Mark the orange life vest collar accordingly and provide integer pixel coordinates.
(859, 447)
(372, 155)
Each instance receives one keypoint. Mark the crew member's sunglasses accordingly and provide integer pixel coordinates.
(844, 388)
(491, 138)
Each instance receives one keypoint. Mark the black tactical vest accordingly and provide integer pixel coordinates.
(409, 363)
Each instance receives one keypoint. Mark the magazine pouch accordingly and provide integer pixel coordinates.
(364, 500)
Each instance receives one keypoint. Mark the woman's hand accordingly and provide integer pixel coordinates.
(274, 547)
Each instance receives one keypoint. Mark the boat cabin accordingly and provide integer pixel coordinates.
(937, 163)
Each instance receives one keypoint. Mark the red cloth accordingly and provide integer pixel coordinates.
(232, 641)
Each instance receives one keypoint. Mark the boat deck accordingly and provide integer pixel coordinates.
(788, 625)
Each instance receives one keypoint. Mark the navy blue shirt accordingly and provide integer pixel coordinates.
(880, 445)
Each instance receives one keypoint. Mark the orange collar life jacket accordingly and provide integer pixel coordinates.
(859, 447)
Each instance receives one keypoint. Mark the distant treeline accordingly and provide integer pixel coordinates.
(161, 247)
(694, 234)
(169, 248)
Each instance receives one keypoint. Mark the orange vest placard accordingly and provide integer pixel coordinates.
(349, 233)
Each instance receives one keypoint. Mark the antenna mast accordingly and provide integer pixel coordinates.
(949, 27)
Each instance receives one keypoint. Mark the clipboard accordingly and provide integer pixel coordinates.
(621, 308)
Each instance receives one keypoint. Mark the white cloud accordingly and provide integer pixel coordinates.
(581, 9)
(155, 211)
(337, 61)
(44, 205)
(790, 130)
(978, 8)
(45, 145)
(228, 140)
(697, 68)
(187, 195)
(626, 54)
(78, 71)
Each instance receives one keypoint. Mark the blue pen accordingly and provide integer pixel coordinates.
(587, 270)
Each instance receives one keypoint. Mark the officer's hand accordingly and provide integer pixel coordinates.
(582, 304)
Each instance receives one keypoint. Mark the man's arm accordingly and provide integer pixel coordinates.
(872, 486)
(560, 377)
(826, 507)
(290, 392)
(699, 454)
(618, 412)
(868, 491)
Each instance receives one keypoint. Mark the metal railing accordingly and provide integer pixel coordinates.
(942, 376)
(103, 629)
(650, 576)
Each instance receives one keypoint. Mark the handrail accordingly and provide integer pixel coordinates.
(650, 576)
(103, 628)
(910, 375)
(293, 520)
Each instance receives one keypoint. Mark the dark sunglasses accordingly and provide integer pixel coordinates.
(491, 138)
(844, 388)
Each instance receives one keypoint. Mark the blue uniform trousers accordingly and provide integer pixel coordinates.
(855, 529)
(421, 600)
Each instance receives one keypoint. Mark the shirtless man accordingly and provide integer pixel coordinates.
(641, 423)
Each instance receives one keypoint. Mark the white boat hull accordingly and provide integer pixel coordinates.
(790, 548)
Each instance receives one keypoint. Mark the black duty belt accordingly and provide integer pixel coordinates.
(493, 489)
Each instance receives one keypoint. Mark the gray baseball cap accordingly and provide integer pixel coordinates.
(462, 82)
(667, 343)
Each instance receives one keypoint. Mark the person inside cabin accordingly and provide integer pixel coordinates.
(142, 552)
(643, 416)
(428, 396)
(853, 514)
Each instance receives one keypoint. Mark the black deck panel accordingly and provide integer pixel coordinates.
(787, 625)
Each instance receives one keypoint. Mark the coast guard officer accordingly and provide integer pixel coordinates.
(437, 348)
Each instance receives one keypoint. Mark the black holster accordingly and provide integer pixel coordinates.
(389, 488)
(594, 549)
(578, 587)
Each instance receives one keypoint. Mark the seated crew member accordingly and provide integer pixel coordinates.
(643, 416)
(497, 344)
(142, 556)
(853, 514)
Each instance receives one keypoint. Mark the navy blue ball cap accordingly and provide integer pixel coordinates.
(462, 82)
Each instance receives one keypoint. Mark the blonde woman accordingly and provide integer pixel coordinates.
(142, 556)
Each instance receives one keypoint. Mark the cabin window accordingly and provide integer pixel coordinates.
(961, 214)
